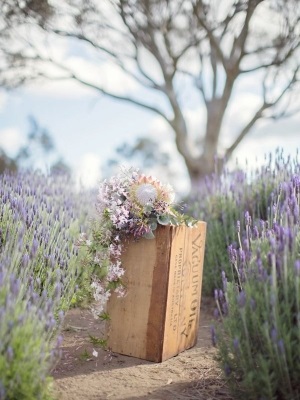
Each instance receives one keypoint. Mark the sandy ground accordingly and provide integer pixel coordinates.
(193, 374)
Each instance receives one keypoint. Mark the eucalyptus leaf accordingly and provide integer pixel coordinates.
(148, 209)
(153, 225)
(149, 235)
(174, 221)
(164, 219)
(190, 222)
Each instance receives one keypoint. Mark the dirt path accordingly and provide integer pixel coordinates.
(193, 374)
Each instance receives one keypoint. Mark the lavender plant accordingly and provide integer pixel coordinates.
(222, 201)
(259, 334)
(28, 348)
(38, 275)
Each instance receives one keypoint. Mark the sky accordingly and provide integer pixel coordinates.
(87, 128)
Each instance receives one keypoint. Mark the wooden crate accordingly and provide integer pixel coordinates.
(159, 316)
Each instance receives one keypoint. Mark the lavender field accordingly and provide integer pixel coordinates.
(41, 217)
(252, 269)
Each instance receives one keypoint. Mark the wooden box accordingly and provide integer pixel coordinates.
(159, 316)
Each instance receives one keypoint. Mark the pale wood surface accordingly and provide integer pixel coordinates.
(184, 289)
(129, 315)
(159, 316)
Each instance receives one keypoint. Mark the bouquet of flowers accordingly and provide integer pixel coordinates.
(128, 205)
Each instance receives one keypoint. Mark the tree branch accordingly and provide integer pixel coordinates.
(127, 99)
(200, 82)
(72, 76)
(213, 40)
(237, 7)
(238, 47)
(116, 59)
(245, 131)
(83, 38)
(259, 114)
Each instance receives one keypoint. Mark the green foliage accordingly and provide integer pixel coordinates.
(85, 355)
(98, 341)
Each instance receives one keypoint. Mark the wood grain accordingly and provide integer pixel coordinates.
(159, 316)
(184, 289)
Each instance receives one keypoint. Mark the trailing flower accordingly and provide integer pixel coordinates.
(128, 205)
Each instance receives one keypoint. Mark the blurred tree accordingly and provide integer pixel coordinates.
(147, 155)
(39, 144)
(60, 167)
(145, 151)
(167, 47)
(6, 163)
(15, 15)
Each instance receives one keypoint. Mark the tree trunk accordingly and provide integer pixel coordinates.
(208, 162)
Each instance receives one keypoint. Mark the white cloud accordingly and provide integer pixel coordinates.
(59, 89)
(10, 140)
(87, 172)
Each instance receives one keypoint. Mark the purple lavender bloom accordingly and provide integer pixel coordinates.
(225, 309)
(297, 267)
(255, 233)
(2, 391)
(227, 369)
(216, 294)
(247, 218)
(59, 341)
(281, 346)
(232, 253)
(213, 335)
(34, 247)
(224, 281)
(9, 354)
(274, 335)
(61, 315)
(14, 285)
(236, 344)
(241, 299)
(25, 260)
(272, 243)
(273, 299)
(252, 304)
(246, 246)
(242, 256)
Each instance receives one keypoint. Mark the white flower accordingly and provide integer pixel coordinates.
(170, 193)
(101, 296)
(146, 193)
(115, 272)
(121, 291)
(95, 353)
